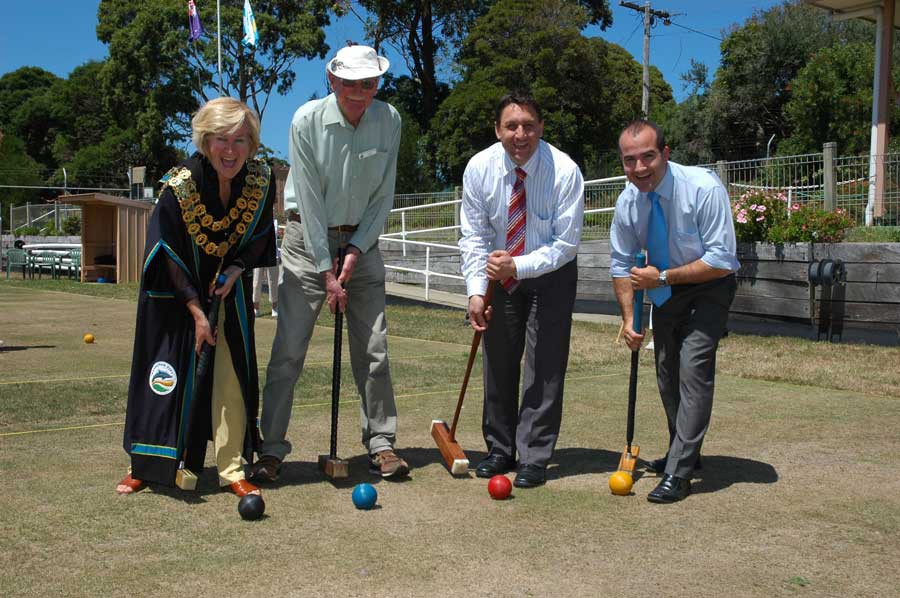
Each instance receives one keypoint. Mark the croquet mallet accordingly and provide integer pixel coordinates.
(629, 456)
(445, 437)
(334, 467)
(184, 477)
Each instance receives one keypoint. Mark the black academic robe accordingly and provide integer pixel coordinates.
(168, 407)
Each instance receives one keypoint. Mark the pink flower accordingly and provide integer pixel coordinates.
(795, 207)
(760, 218)
(760, 208)
(753, 207)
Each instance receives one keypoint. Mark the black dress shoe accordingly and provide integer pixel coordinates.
(530, 476)
(670, 489)
(494, 465)
(659, 465)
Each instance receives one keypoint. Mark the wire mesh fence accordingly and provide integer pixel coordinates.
(41, 216)
(816, 179)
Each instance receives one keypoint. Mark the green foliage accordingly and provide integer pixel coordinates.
(831, 100)
(27, 230)
(760, 59)
(16, 88)
(586, 87)
(873, 234)
(812, 223)
(71, 226)
(27, 110)
(18, 168)
(761, 216)
(154, 69)
(50, 230)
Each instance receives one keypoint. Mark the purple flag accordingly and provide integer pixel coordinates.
(194, 21)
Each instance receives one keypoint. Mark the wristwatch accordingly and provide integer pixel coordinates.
(663, 279)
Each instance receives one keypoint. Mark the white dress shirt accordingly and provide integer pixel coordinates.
(554, 195)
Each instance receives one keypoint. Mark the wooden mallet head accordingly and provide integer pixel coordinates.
(334, 467)
(450, 450)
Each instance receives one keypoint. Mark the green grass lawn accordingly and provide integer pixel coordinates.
(800, 492)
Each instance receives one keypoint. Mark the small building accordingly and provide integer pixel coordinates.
(113, 235)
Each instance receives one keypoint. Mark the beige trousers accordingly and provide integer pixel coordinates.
(229, 418)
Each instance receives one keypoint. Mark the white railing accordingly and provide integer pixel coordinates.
(427, 272)
(404, 231)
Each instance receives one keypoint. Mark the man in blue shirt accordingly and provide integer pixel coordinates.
(685, 214)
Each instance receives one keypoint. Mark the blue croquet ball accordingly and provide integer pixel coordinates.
(251, 507)
(101, 280)
(364, 496)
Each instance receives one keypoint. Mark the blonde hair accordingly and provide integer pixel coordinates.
(223, 116)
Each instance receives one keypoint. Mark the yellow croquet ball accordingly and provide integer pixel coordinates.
(620, 483)
(89, 338)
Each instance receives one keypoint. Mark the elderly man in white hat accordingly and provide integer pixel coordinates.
(339, 191)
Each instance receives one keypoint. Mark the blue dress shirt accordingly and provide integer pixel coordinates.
(698, 216)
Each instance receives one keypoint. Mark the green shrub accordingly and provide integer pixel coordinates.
(26, 230)
(72, 225)
(761, 216)
(812, 223)
(50, 230)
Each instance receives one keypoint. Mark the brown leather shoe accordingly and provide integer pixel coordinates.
(131, 483)
(387, 464)
(266, 470)
(242, 488)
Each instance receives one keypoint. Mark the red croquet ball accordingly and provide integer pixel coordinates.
(499, 487)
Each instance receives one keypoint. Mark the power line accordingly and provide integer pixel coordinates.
(697, 31)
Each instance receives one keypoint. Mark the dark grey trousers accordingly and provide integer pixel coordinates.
(535, 319)
(686, 333)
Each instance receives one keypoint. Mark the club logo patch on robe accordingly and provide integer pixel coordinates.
(163, 378)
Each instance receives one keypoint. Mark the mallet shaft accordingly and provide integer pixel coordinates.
(476, 340)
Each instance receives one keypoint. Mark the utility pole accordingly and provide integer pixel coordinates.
(649, 15)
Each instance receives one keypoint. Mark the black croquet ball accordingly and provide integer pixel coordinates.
(251, 507)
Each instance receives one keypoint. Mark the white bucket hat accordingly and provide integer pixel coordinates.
(357, 62)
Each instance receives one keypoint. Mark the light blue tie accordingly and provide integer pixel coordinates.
(658, 247)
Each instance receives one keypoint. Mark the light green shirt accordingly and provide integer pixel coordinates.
(341, 175)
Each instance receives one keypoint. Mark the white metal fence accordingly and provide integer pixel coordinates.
(41, 215)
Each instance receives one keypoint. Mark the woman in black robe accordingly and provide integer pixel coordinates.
(214, 216)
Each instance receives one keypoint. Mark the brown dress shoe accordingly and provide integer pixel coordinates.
(386, 463)
(266, 469)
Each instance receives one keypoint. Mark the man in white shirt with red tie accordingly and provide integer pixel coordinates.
(521, 219)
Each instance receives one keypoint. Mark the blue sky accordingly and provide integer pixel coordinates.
(59, 35)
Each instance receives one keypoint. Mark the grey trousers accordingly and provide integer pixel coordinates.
(686, 333)
(300, 298)
(535, 319)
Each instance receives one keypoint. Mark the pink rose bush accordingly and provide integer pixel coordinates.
(761, 216)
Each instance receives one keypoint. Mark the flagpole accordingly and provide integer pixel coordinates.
(219, 43)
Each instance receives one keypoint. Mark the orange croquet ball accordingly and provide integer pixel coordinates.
(620, 483)
(89, 338)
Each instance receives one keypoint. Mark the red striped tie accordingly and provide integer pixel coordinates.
(515, 227)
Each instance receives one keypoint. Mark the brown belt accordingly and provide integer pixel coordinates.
(343, 228)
